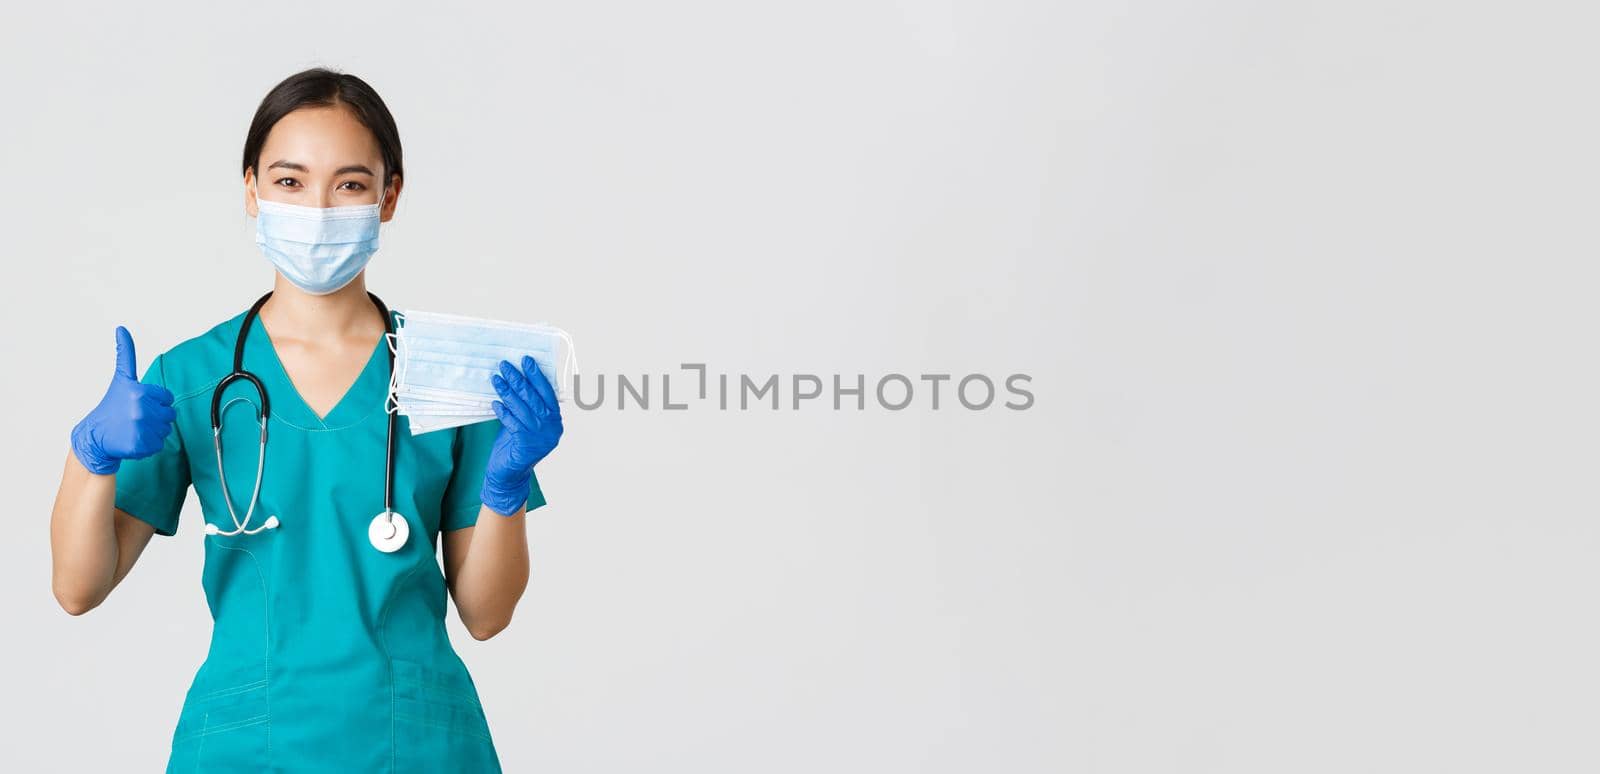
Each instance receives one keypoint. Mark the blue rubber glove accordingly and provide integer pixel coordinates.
(530, 427)
(132, 420)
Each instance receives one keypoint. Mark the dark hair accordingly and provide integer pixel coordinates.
(321, 87)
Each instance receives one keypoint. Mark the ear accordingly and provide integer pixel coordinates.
(390, 197)
(250, 193)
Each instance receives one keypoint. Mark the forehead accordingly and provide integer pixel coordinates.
(328, 136)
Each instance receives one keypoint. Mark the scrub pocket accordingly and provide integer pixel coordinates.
(224, 729)
(438, 723)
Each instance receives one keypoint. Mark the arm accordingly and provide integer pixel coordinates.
(93, 545)
(486, 565)
(486, 568)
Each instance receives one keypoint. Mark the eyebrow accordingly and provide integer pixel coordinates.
(358, 168)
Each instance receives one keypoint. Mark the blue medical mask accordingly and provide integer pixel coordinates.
(443, 365)
(318, 249)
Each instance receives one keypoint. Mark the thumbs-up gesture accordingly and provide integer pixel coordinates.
(132, 420)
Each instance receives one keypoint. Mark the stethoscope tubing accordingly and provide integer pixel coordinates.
(264, 412)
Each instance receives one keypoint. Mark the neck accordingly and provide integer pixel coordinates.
(294, 313)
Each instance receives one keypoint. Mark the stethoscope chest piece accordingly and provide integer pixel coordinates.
(388, 532)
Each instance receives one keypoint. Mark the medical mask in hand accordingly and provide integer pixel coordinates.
(318, 249)
(443, 365)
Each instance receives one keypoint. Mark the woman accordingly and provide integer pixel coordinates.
(328, 650)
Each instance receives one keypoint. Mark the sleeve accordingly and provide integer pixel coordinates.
(152, 489)
(461, 496)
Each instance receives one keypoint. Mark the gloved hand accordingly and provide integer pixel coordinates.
(530, 427)
(132, 420)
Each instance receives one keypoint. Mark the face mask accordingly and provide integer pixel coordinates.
(427, 424)
(318, 249)
(443, 365)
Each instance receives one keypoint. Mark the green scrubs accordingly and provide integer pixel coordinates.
(326, 654)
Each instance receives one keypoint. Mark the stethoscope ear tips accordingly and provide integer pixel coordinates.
(211, 529)
(270, 523)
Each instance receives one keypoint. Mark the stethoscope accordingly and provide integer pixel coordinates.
(388, 530)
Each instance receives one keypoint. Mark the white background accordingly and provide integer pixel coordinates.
(1306, 290)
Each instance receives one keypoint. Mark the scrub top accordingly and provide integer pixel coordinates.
(326, 654)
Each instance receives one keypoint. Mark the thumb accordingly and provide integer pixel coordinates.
(127, 363)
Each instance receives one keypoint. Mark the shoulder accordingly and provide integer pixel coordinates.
(196, 364)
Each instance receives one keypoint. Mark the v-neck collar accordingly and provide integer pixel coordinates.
(366, 395)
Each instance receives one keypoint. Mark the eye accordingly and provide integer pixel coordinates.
(287, 182)
(357, 186)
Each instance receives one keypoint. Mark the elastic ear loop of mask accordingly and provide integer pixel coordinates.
(572, 357)
(390, 405)
(391, 402)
